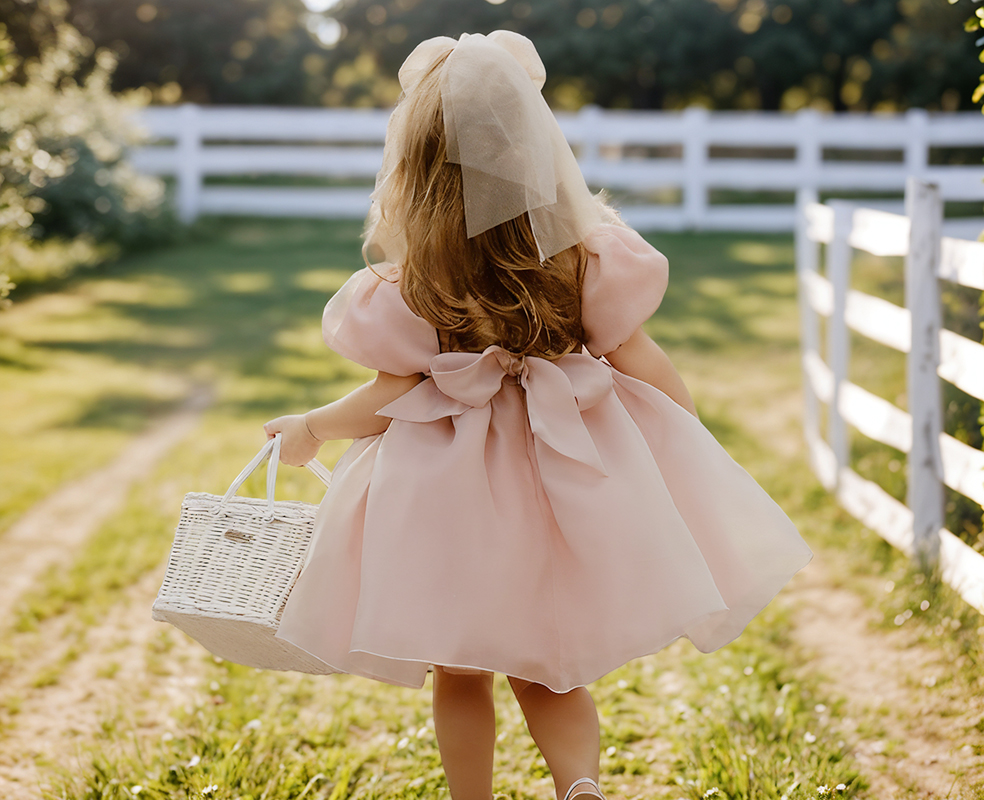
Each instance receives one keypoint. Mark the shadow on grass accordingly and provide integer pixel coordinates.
(722, 285)
(224, 301)
(120, 412)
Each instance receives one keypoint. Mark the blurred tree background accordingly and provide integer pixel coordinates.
(748, 54)
(769, 54)
(70, 69)
(68, 197)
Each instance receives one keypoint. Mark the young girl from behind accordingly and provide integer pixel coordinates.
(527, 465)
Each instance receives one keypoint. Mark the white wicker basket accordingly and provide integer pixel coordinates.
(232, 566)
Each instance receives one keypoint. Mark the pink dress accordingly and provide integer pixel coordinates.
(550, 520)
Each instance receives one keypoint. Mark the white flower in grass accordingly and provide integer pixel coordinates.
(252, 725)
(810, 738)
(137, 789)
(823, 791)
(195, 761)
(611, 751)
(840, 787)
(712, 792)
(209, 789)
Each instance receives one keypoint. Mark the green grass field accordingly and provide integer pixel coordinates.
(238, 309)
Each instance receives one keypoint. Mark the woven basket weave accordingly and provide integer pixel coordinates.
(231, 569)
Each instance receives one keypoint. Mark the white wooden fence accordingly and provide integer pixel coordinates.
(935, 458)
(682, 156)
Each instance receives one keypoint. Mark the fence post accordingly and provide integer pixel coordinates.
(809, 153)
(189, 162)
(590, 123)
(924, 207)
(838, 337)
(917, 142)
(807, 261)
(695, 120)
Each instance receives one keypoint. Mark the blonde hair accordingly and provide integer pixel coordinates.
(490, 289)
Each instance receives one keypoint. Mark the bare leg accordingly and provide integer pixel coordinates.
(565, 728)
(464, 720)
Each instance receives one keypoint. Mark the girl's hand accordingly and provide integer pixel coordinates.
(298, 445)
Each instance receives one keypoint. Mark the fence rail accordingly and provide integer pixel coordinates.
(685, 156)
(933, 353)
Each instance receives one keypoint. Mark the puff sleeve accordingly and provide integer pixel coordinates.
(624, 282)
(367, 321)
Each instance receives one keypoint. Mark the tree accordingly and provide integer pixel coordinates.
(974, 25)
(644, 54)
(67, 195)
(220, 51)
(771, 54)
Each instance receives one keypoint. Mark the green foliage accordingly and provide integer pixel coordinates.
(975, 24)
(220, 51)
(771, 54)
(242, 307)
(67, 197)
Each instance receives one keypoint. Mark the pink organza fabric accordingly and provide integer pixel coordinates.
(548, 520)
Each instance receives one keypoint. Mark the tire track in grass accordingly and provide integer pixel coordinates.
(61, 689)
(121, 679)
(915, 729)
(911, 722)
(53, 530)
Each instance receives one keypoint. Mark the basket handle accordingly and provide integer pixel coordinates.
(271, 450)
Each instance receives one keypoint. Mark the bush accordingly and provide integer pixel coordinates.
(67, 196)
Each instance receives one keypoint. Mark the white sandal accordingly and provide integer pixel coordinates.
(594, 791)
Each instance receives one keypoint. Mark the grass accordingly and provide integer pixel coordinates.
(239, 309)
(85, 368)
(256, 734)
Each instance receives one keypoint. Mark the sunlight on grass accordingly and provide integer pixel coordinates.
(245, 282)
(241, 309)
(761, 254)
(85, 368)
(321, 280)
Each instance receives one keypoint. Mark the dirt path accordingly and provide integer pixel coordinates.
(914, 727)
(911, 729)
(101, 670)
(131, 671)
(906, 712)
(51, 531)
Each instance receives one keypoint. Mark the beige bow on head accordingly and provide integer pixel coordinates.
(514, 159)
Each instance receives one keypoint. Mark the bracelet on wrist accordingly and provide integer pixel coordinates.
(310, 432)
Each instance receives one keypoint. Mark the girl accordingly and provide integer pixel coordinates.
(529, 491)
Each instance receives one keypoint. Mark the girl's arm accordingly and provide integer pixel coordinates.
(641, 358)
(350, 417)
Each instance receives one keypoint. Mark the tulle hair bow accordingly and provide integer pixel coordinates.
(514, 158)
(428, 52)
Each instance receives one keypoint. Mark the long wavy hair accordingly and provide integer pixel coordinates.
(490, 289)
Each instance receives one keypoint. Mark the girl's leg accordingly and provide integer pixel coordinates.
(565, 728)
(464, 720)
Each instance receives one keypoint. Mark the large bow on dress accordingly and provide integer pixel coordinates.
(556, 394)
